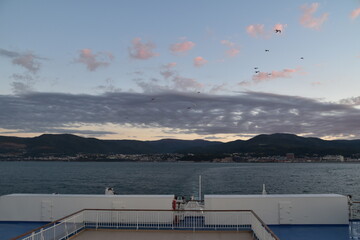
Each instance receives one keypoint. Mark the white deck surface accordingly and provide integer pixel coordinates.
(102, 234)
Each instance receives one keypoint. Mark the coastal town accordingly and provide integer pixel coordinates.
(177, 157)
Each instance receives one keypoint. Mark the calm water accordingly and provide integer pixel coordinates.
(179, 178)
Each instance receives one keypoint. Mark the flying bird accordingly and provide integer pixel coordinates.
(277, 31)
(257, 71)
(301, 58)
(267, 50)
(256, 68)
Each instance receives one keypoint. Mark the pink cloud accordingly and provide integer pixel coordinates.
(354, 14)
(27, 61)
(184, 84)
(199, 61)
(182, 47)
(232, 52)
(263, 76)
(280, 27)
(142, 51)
(227, 43)
(255, 30)
(233, 49)
(94, 61)
(244, 83)
(167, 74)
(170, 65)
(308, 20)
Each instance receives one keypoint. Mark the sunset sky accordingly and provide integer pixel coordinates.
(203, 69)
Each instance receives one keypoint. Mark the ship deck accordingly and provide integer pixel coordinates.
(10, 230)
(106, 234)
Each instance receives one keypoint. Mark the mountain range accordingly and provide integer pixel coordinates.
(261, 145)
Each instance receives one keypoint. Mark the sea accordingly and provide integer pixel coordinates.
(179, 178)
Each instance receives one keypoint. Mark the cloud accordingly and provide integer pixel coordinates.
(308, 20)
(94, 61)
(109, 86)
(218, 88)
(199, 61)
(243, 113)
(23, 83)
(174, 83)
(10, 54)
(182, 47)
(186, 84)
(142, 51)
(351, 101)
(21, 77)
(170, 65)
(244, 83)
(255, 30)
(27, 60)
(21, 87)
(168, 72)
(233, 49)
(355, 13)
(263, 76)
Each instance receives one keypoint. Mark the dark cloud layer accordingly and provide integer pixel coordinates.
(245, 113)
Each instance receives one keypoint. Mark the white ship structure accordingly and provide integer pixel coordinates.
(111, 216)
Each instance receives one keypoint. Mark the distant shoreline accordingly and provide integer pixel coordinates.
(190, 161)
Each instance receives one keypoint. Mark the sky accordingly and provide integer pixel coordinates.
(204, 69)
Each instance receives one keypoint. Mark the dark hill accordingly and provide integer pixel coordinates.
(261, 145)
(281, 143)
(67, 144)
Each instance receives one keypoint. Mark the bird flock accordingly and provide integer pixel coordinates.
(256, 69)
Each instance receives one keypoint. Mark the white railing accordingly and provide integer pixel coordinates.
(195, 220)
(60, 229)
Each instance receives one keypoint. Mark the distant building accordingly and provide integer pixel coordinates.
(333, 158)
(290, 156)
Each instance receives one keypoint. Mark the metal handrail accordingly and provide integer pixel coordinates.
(265, 226)
(98, 218)
(46, 225)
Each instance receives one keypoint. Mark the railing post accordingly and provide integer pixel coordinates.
(32, 235)
(158, 217)
(97, 220)
(137, 220)
(237, 222)
(41, 234)
(117, 219)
